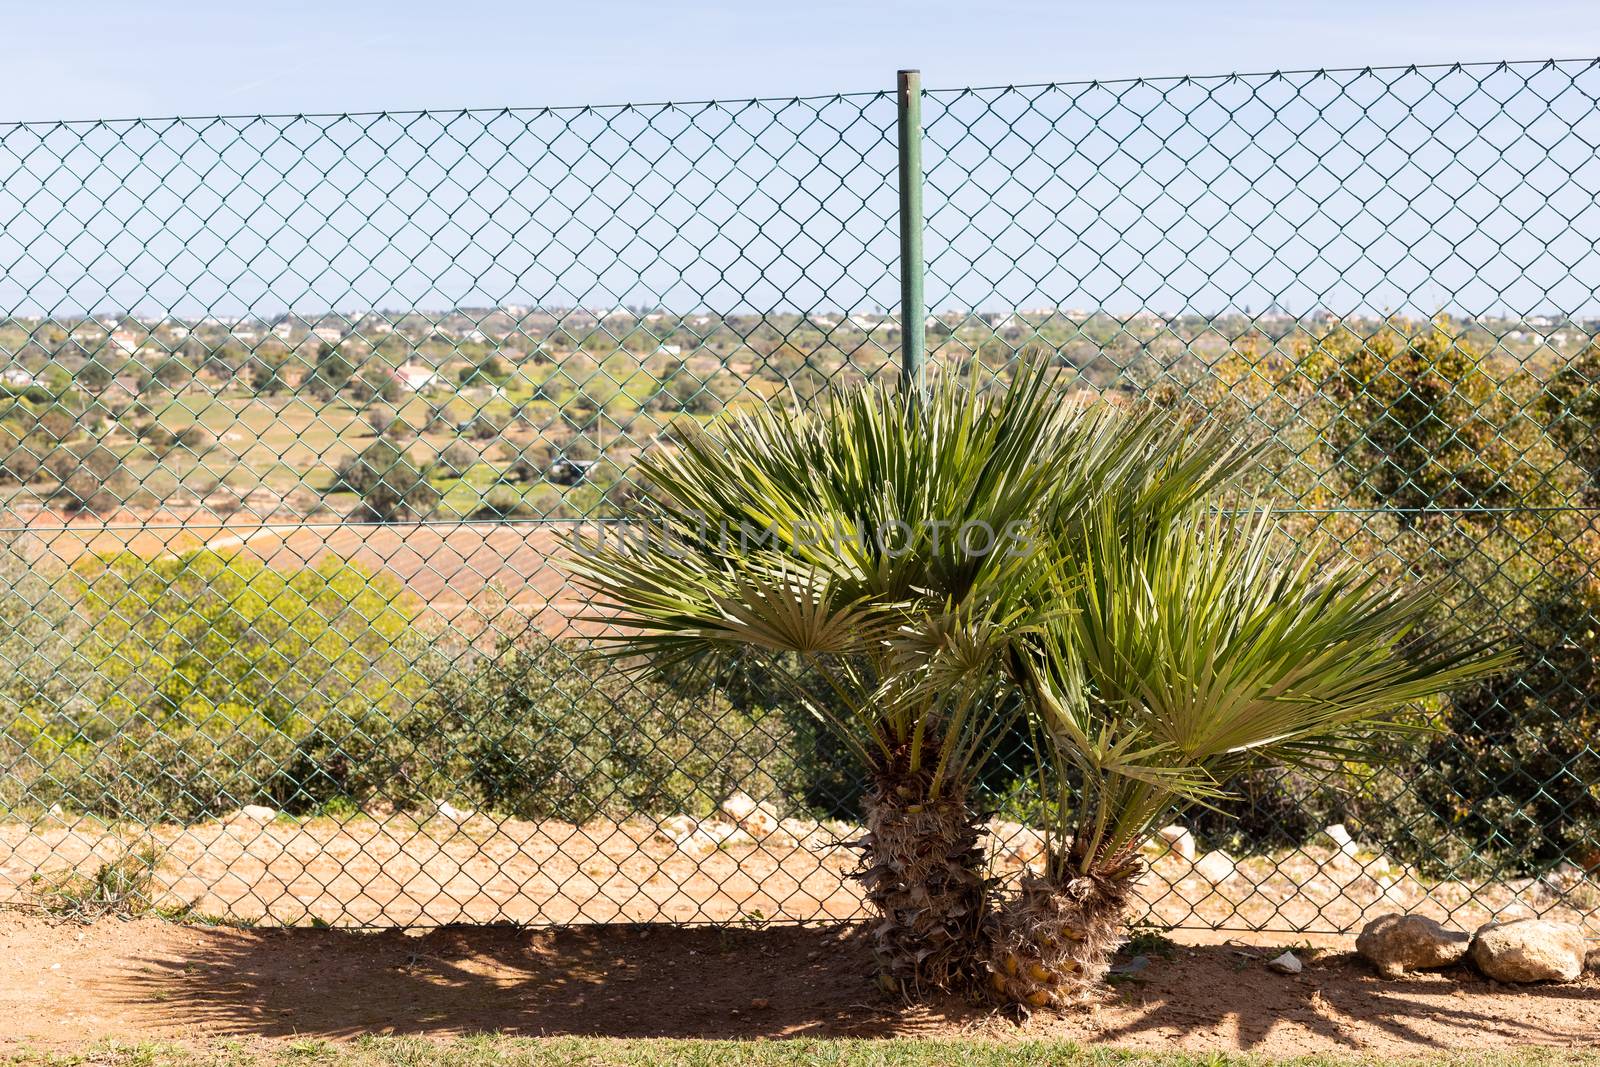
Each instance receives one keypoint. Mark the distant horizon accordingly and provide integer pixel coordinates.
(353, 315)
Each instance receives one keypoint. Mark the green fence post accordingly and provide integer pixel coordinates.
(913, 309)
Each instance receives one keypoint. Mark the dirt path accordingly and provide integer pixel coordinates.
(62, 984)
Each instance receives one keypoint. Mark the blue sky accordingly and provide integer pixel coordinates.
(115, 58)
(1475, 191)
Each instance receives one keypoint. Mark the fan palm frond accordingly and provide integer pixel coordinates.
(1216, 643)
(904, 551)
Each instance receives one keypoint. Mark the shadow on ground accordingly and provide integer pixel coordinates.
(624, 981)
(1215, 996)
(665, 981)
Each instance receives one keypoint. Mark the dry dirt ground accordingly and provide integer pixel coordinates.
(405, 871)
(63, 984)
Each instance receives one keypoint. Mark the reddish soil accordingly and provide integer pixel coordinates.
(62, 984)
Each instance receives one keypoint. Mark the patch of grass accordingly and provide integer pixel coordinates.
(660, 1052)
(187, 915)
(1150, 941)
(123, 885)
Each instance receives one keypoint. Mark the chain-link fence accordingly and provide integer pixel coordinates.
(299, 412)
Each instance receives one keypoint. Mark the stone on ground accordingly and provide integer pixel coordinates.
(1529, 950)
(1215, 867)
(255, 813)
(677, 828)
(750, 815)
(1178, 838)
(715, 834)
(453, 813)
(1288, 963)
(1341, 837)
(1396, 944)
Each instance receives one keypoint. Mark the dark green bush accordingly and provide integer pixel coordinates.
(392, 486)
(146, 773)
(543, 729)
(1516, 771)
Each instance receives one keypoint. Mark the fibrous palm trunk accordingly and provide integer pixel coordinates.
(923, 872)
(1053, 941)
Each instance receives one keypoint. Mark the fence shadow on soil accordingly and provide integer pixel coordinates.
(668, 981)
(616, 981)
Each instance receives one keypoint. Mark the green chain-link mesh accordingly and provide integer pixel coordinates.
(298, 413)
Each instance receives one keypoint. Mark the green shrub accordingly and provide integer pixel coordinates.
(147, 773)
(186, 687)
(218, 638)
(1516, 770)
(1569, 406)
(504, 502)
(1420, 423)
(177, 687)
(213, 641)
(123, 885)
(92, 478)
(392, 486)
(543, 729)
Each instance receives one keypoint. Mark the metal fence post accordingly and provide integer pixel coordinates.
(913, 309)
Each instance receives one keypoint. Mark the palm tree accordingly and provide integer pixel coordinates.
(882, 545)
(1190, 650)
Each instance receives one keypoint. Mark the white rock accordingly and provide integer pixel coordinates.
(1215, 867)
(1563, 879)
(738, 806)
(753, 817)
(255, 813)
(698, 844)
(1178, 838)
(453, 813)
(1385, 870)
(677, 827)
(1341, 838)
(1288, 963)
(714, 834)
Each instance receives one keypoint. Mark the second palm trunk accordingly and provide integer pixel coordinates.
(1053, 940)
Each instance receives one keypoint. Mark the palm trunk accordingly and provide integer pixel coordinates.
(923, 873)
(1053, 941)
